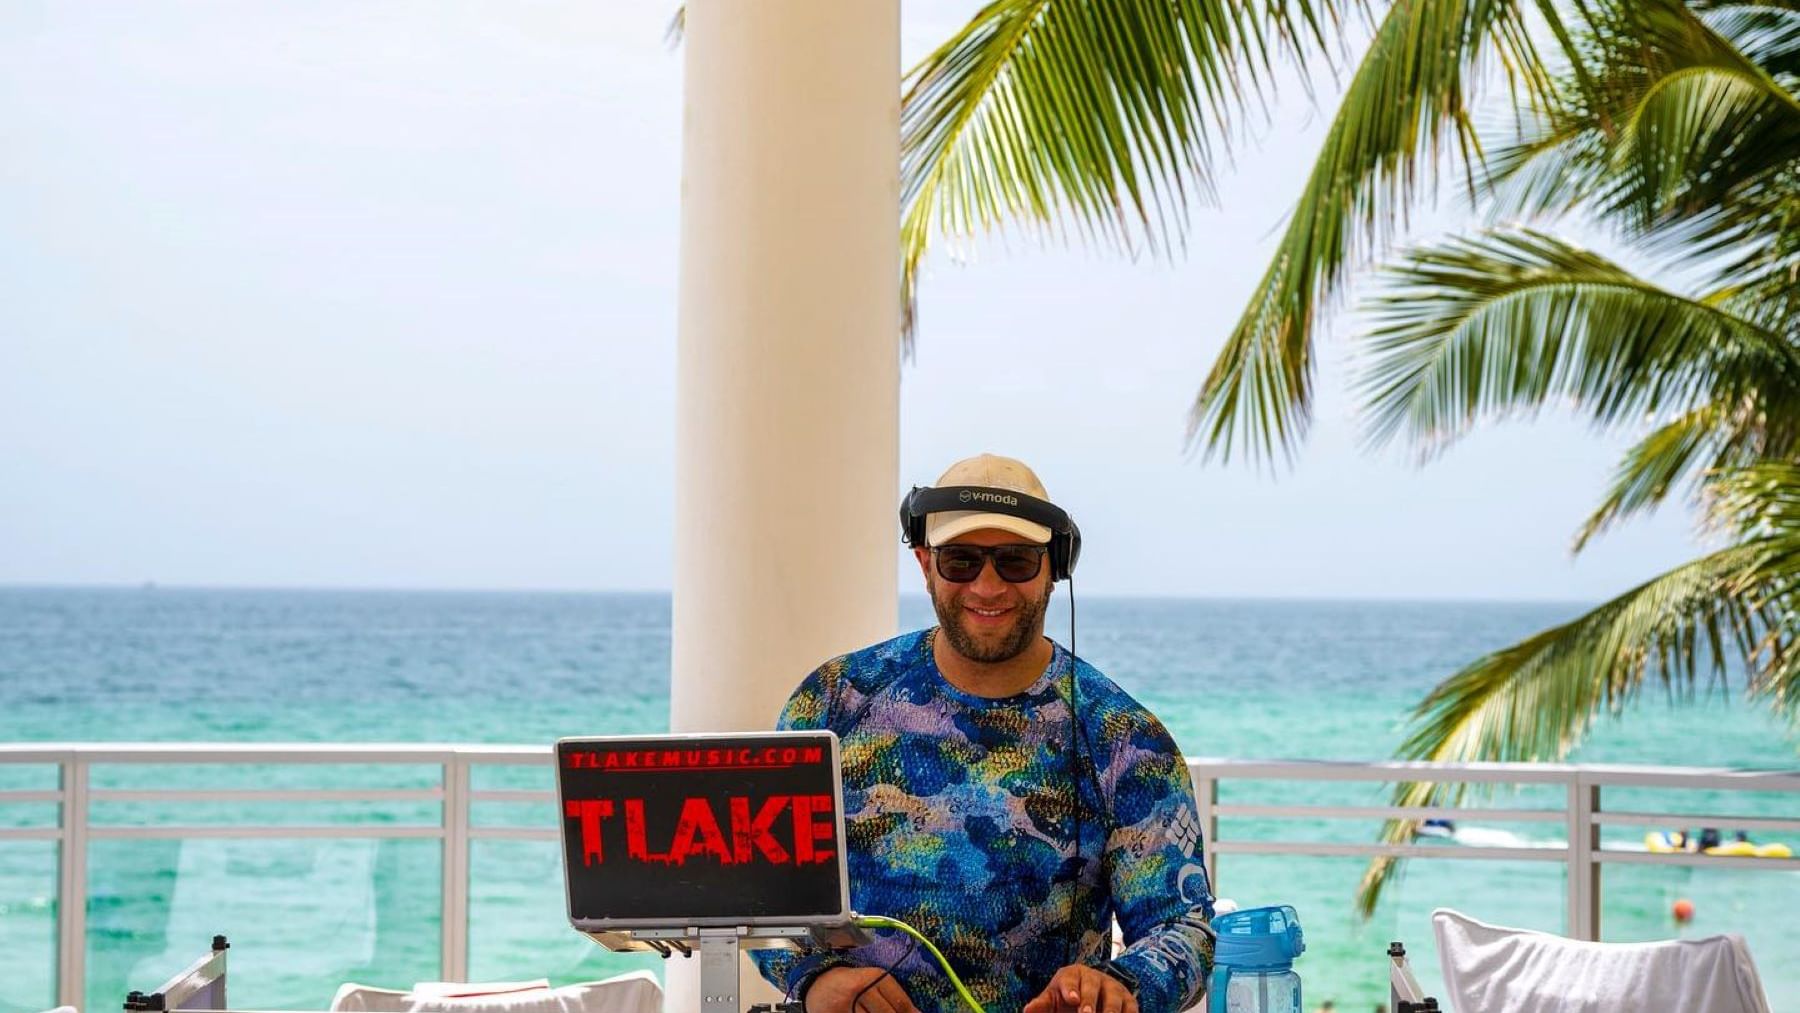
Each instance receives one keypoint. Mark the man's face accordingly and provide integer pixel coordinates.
(988, 620)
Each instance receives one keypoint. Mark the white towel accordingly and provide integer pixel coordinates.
(633, 992)
(1491, 969)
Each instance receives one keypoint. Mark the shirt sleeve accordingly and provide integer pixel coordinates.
(810, 706)
(808, 709)
(1157, 870)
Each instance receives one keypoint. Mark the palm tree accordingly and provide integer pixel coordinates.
(1679, 129)
(1674, 124)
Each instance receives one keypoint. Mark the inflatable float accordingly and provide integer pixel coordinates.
(1664, 842)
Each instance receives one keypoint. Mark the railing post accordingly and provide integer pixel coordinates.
(1584, 872)
(455, 933)
(1206, 798)
(71, 887)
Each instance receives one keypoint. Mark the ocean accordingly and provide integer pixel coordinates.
(1239, 679)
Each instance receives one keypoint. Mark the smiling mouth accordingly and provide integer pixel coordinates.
(987, 613)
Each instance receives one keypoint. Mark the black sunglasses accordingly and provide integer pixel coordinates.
(1016, 564)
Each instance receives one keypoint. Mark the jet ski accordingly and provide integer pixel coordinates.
(1437, 828)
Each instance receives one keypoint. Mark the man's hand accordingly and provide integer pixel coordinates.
(835, 990)
(1080, 989)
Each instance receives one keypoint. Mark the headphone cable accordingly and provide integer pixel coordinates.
(912, 946)
(880, 922)
(1073, 942)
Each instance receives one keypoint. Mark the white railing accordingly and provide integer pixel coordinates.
(453, 792)
(1582, 815)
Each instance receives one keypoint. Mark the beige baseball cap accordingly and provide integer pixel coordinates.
(995, 472)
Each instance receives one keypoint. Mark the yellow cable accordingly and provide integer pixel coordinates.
(879, 922)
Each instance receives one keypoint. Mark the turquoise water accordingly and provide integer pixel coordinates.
(1263, 680)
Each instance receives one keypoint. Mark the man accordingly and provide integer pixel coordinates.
(1001, 796)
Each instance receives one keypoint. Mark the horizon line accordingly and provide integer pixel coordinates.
(154, 586)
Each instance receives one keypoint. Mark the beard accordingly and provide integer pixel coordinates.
(1028, 625)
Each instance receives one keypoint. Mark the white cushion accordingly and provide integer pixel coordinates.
(635, 992)
(1492, 969)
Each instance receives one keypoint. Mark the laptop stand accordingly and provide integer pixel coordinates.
(719, 946)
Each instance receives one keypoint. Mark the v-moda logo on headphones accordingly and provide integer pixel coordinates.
(972, 496)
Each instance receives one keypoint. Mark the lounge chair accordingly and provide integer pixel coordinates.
(1493, 969)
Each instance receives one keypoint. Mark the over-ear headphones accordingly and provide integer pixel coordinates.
(1065, 537)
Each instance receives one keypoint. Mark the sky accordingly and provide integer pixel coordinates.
(342, 294)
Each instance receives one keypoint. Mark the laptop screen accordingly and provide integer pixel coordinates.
(741, 829)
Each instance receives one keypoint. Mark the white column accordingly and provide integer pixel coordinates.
(787, 395)
(787, 389)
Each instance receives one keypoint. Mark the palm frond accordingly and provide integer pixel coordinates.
(1662, 118)
(1766, 33)
(1533, 701)
(1552, 164)
(1654, 466)
(1703, 130)
(1407, 103)
(1696, 446)
(1763, 501)
(1104, 113)
(1510, 320)
(1751, 245)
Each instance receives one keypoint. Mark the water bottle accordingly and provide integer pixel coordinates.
(1253, 962)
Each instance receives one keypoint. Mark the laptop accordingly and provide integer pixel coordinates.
(663, 835)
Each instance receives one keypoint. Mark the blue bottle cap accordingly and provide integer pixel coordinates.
(1258, 939)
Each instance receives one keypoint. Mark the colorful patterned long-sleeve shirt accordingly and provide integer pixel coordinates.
(1005, 835)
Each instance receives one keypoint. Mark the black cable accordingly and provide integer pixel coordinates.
(1071, 633)
(1080, 750)
(912, 946)
(1072, 944)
